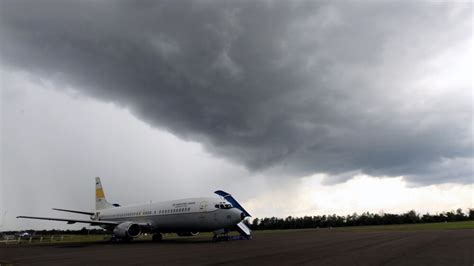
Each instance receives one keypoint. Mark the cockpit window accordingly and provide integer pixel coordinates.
(223, 205)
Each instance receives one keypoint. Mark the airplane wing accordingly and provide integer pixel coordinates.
(72, 221)
(74, 211)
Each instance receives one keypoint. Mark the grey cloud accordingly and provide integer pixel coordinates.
(290, 87)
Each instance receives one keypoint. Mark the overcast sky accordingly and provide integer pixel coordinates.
(295, 107)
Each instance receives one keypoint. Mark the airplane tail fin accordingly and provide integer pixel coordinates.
(100, 201)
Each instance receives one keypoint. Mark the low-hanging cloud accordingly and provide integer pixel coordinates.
(296, 87)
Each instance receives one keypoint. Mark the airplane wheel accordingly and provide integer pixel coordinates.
(157, 237)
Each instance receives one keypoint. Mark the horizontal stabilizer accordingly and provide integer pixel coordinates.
(232, 201)
(243, 229)
(73, 211)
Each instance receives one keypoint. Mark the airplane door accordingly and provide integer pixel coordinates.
(202, 210)
(203, 206)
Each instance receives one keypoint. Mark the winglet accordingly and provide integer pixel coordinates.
(234, 202)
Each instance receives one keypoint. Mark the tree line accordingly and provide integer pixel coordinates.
(355, 219)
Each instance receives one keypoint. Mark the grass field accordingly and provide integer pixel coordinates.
(46, 239)
(413, 227)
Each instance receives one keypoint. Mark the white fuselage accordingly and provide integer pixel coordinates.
(185, 215)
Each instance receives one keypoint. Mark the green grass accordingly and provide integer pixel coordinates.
(413, 227)
(396, 227)
(203, 236)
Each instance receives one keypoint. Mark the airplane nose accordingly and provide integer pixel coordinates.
(237, 214)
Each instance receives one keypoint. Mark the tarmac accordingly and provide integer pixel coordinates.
(289, 247)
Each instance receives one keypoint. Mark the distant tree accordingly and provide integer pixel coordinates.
(460, 215)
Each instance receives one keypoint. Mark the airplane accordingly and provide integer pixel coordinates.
(186, 217)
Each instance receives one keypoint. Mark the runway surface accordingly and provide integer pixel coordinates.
(306, 247)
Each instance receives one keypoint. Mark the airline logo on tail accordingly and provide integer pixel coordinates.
(99, 192)
(100, 201)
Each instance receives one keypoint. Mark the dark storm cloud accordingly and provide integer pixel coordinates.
(295, 87)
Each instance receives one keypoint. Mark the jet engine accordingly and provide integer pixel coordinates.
(127, 230)
(188, 233)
